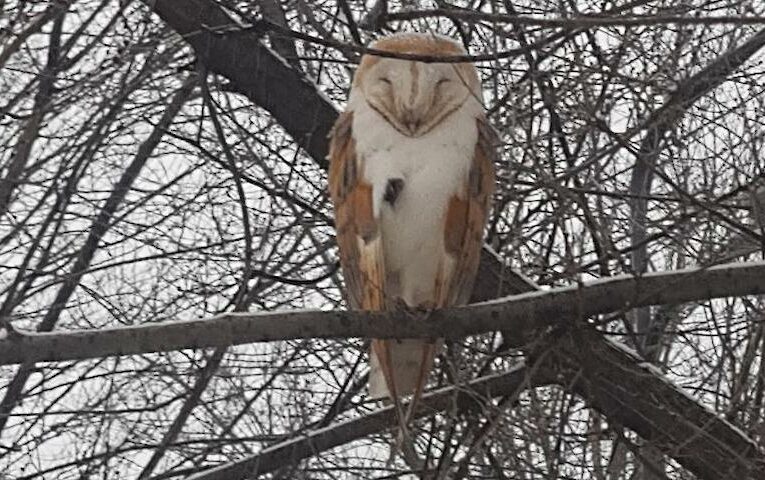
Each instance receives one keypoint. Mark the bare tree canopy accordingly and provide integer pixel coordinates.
(170, 298)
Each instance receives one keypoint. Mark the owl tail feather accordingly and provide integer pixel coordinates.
(384, 382)
(428, 352)
(400, 368)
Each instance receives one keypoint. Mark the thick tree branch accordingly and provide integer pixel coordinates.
(255, 71)
(612, 378)
(297, 104)
(631, 392)
(662, 122)
(518, 315)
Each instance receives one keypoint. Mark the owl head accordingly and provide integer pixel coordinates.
(414, 97)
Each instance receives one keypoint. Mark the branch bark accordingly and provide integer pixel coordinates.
(42, 99)
(612, 378)
(662, 121)
(518, 316)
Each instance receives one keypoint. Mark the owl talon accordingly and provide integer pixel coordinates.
(420, 312)
(425, 310)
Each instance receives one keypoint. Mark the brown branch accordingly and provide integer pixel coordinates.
(520, 315)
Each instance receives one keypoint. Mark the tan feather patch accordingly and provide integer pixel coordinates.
(421, 44)
(455, 225)
(466, 218)
(357, 231)
(363, 213)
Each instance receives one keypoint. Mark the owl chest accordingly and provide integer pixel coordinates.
(412, 223)
(414, 180)
(413, 176)
(427, 172)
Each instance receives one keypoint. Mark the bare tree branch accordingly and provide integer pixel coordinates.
(579, 359)
(99, 227)
(274, 13)
(470, 396)
(255, 71)
(631, 392)
(519, 315)
(595, 85)
(31, 130)
(582, 21)
(54, 9)
(664, 120)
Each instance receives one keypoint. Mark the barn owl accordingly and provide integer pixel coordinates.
(411, 179)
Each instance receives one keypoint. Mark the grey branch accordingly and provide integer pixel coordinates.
(582, 361)
(631, 392)
(254, 70)
(582, 21)
(289, 452)
(517, 316)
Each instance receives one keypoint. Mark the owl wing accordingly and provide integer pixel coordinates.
(358, 234)
(465, 219)
(357, 229)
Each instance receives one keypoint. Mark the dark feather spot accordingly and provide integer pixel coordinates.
(474, 181)
(393, 190)
(368, 236)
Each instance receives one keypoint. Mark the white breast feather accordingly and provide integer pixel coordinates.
(434, 167)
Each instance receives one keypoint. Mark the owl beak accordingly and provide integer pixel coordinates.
(411, 120)
(413, 126)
